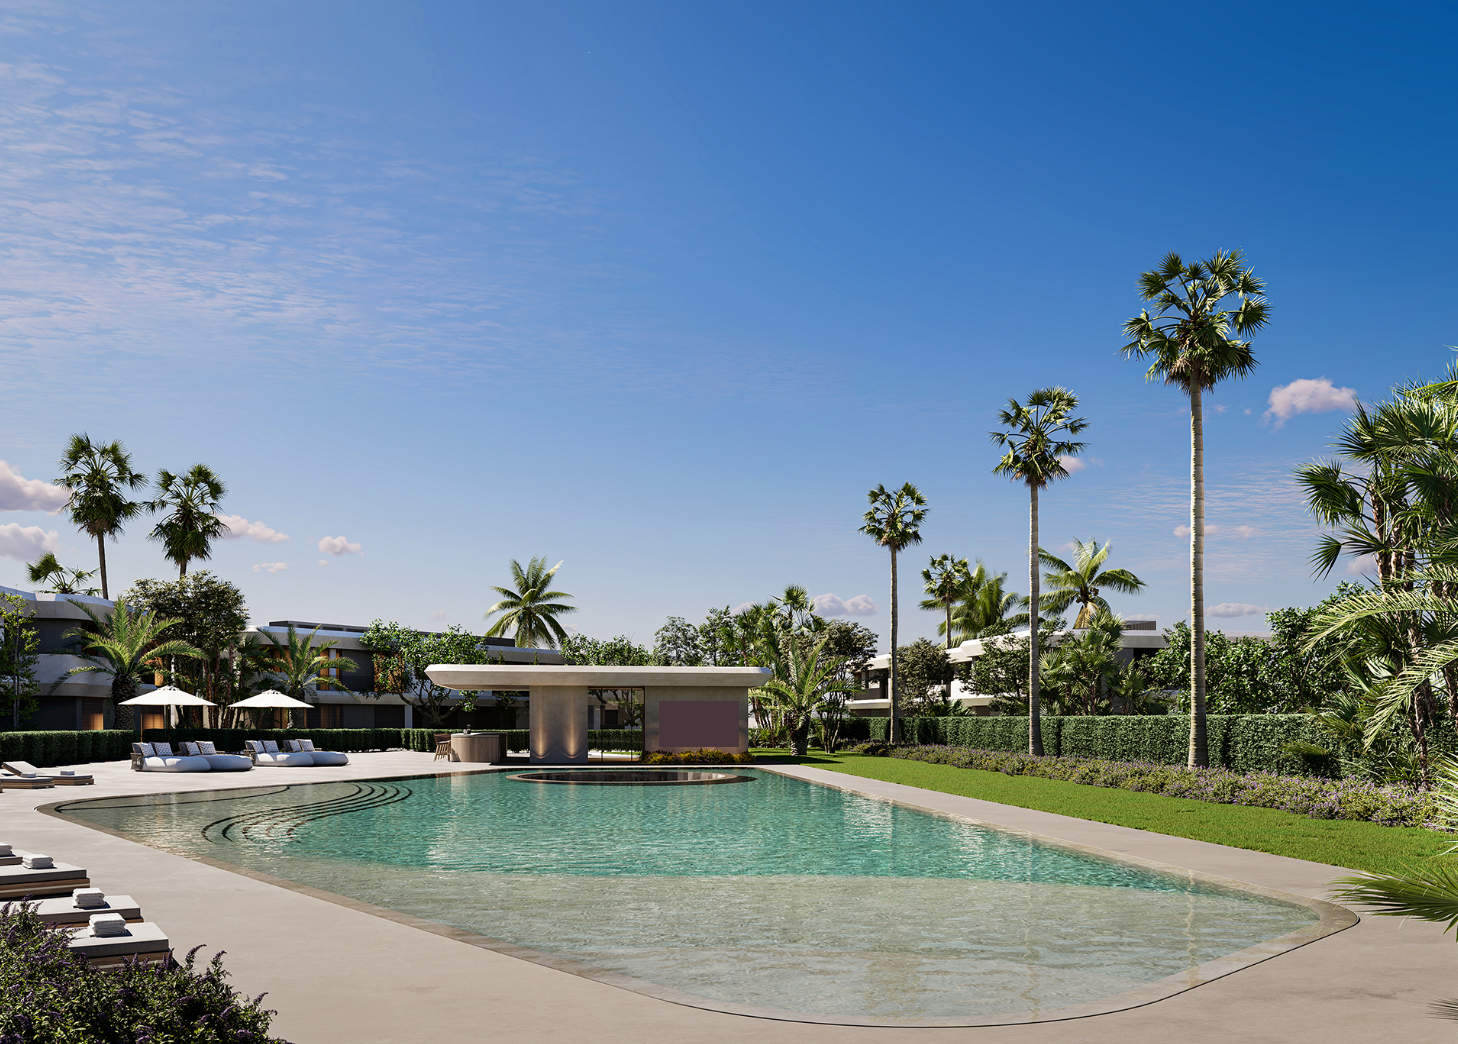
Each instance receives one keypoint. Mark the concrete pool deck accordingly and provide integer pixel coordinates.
(338, 974)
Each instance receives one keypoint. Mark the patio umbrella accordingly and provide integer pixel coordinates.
(167, 696)
(271, 698)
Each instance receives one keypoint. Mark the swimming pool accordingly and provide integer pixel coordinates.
(769, 895)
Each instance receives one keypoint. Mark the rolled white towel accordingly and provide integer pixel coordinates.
(5, 850)
(85, 898)
(68, 772)
(106, 924)
(37, 862)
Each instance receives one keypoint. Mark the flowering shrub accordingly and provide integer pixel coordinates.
(693, 757)
(1390, 805)
(50, 995)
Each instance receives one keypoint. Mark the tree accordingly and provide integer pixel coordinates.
(47, 570)
(894, 521)
(1036, 448)
(986, 608)
(1189, 340)
(1000, 672)
(211, 615)
(98, 476)
(128, 645)
(802, 680)
(402, 655)
(1082, 665)
(926, 675)
(946, 582)
(19, 654)
(529, 610)
(299, 666)
(621, 651)
(677, 643)
(189, 503)
(1080, 584)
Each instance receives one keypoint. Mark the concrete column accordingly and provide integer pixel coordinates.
(696, 725)
(559, 724)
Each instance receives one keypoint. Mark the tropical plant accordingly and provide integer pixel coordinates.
(803, 678)
(529, 610)
(212, 615)
(47, 570)
(1037, 446)
(127, 644)
(401, 657)
(1189, 339)
(301, 668)
(987, 608)
(947, 581)
(98, 476)
(1082, 582)
(894, 521)
(188, 503)
(19, 654)
(1081, 665)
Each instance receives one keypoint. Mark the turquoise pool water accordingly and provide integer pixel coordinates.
(770, 892)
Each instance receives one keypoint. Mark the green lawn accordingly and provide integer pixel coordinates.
(1361, 846)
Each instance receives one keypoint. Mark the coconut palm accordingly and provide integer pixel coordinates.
(946, 582)
(299, 666)
(1080, 583)
(1189, 338)
(894, 521)
(190, 524)
(803, 678)
(128, 646)
(47, 570)
(530, 611)
(1037, 445)
(987, 608)
(98, 476)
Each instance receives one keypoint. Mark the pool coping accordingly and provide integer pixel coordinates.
(1331, 918)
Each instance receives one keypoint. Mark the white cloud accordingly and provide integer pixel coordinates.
(1072, 465)
(1307, 396)
(1244, 532)
(323, 561)
(830, 605)
(438, 614)
(1362, 564)
(26, 543)
(270, 567)
(1222, 407)
(338, 546)
(1227, 610)
(239, 527)
(23, 494)
(742, 608)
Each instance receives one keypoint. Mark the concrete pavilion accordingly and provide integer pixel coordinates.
(684, 708)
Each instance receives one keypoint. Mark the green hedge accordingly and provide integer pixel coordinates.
(348, 740)
(1240, 742)
(66, 748)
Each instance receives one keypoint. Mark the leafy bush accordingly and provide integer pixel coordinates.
(879, 750)
(51, 995)
(695, 757)
(347, 740)
(66, 748)
(1391, 805)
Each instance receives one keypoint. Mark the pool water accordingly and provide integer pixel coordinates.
(771, 892)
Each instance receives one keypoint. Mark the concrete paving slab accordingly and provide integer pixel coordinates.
(360, 977)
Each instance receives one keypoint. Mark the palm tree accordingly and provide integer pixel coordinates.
(986, 608)
(530, 610)
(191, 524)
(1036, 446)
(126, 645)
(298, 665)
(947, 581)
(893, 521)
(801, 682)
(1189, 339)
(47, 570)
(98, 475)
(1081, 582)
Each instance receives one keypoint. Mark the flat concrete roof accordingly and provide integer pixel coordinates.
(498, 676)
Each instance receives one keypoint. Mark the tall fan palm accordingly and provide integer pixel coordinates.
(530, 611)
(1036, 448)
(98, 476)
(191, 523)
(946, 581)
(1080, 583)
(802, 680)
(126, 645)
(894, 521)
(1189, 338)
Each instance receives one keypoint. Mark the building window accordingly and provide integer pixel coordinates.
(331, 716)
(93, 714)
(153, 719)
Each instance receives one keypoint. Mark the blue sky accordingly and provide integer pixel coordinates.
(661, 290)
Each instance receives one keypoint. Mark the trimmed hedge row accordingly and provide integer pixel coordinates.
(66, 748)
(348, 740)
(1239, 742)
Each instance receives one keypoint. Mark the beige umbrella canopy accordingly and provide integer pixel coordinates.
(271, 698)
(167, 696)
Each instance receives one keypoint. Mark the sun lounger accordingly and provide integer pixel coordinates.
(33, 781)
(17, 882)
(158, 757)
(144, 940)
(8, 857)
(218, 762)
(63, 909)
(261, 755)
(64, 778)
(318, 757)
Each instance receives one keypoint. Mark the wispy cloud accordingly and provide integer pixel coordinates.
(27, 543)
(1230, 610)
(437, 615)
(270, 567)
(22, 494)
(338, 546)
(1212, 529)
(1072, 465)
(239, 527)
(1307, 396)
(831, 605)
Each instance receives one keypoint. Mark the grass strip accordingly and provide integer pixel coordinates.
(1337, 842)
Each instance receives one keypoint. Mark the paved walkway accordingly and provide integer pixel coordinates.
(340, 975)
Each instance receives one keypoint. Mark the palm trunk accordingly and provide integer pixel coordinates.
(101, 556)
(894, 734)
(1035, 724)
(949, 649)
(122, 688)
(1199, 741)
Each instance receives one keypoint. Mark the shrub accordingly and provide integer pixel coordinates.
(1390, 805)
(51, 995)
(66, 748)
(695, 757)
